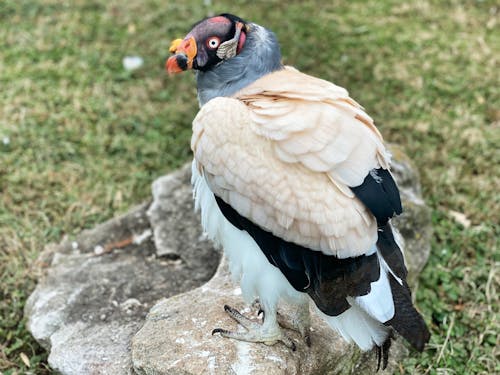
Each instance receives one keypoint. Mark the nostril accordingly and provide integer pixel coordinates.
(182, 61)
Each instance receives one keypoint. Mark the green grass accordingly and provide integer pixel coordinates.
(86, 138)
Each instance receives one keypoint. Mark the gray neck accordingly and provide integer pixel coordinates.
(260, 56)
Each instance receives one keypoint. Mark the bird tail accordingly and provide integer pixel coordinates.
(407, 321)
(370, 320)
(355, 325)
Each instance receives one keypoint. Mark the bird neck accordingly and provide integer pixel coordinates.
(260, 56)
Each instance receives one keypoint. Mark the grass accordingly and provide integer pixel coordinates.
(81, 139)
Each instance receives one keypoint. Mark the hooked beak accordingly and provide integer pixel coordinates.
(184, 53)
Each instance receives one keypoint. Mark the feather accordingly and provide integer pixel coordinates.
(355, 325)
(302, 197)
(407, 321)
(344, 228)
(380, 194)
(328, 280)
(323, 128)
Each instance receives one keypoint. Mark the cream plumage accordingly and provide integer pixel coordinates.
(285, 159)
(292, 179)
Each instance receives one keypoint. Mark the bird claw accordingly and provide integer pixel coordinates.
(300, 322)
(268, 334)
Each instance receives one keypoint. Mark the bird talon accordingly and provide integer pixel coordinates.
(268, 332)
(217, 330)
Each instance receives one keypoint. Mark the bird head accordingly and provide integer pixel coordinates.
(209, 42)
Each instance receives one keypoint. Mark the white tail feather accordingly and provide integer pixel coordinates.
(378, 303)
(363, 322)
(355, 325)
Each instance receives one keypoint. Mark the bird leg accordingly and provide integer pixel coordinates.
(299, 321)
(269, 332)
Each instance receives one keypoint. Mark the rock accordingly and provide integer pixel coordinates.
(87, 306)
(89, 309)
(415, 222)
(170, 229)
(176, 337)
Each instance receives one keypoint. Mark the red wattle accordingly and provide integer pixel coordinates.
(241, 41)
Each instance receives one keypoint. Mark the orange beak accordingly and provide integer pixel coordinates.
(184, 53)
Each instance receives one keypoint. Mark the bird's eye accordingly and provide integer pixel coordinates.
(213, 42)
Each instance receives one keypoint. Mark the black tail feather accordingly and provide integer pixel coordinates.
(383, 352)
(390, 251)
(407, 321)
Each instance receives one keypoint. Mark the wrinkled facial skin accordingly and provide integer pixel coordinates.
(208, 34)
(205, 33)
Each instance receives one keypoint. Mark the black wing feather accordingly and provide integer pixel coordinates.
(327, 279)
(391, 252)
(380, 194)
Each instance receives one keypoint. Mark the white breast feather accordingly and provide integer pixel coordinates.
(247, 263)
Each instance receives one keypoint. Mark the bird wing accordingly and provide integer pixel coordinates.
(283, 153)
(316, 123)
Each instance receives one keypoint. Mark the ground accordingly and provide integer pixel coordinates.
(81, 139)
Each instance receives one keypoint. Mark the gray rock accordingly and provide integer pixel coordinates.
(415, 222)
(176, 339)
(98, 289)
(170, 230)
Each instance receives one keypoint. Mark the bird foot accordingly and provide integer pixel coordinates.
(300, 323)
(267, 332)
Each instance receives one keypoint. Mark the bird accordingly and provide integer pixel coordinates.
(292, 179)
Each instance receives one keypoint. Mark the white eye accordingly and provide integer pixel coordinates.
(213, 42)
